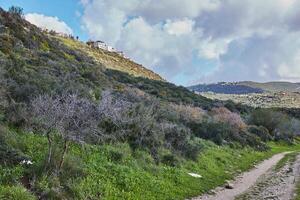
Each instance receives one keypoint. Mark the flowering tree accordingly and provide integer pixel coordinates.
(189, 113)
(224, 115)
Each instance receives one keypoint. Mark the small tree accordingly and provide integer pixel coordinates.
(113, 113)
(267, 118)
(71, 117)
(15, 10)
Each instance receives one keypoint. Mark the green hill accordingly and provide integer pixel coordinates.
(246, 87)
(80, 123)
(274, 86)
(110, 60)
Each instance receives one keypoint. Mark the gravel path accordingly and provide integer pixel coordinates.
(275, 185)
(243, 182)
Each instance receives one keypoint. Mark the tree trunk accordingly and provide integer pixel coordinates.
(49, 150)
(66, 145)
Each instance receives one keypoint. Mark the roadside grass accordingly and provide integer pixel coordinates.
(290, 157)
(298, 191)
(116, 172)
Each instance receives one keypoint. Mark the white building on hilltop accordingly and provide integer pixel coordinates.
(101, 45)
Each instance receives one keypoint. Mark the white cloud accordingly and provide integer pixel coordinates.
(249, 39)
(48, 22)
(179, 27)
(84, 2)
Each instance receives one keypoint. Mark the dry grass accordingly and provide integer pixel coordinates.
(111, 60)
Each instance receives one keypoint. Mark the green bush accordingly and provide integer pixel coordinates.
(170, 160)
(10, 175)
(217, 132)
(267, 118)
(15, 193)
(261, 132)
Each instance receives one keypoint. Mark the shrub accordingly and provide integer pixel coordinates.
(10, 175)
(215, 131)
(15, 10)
(223, 115)
(280, 125)
(261, 132)
(267, 118)
(15, 193)
(170, 160)
(187, 113)
(237, 107)
(115, 156)
(15, 114)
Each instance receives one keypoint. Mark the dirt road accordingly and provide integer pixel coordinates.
(275, 184)
(251, 183)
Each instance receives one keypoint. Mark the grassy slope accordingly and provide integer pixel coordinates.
(114, 172)
(111, 60)
(298, 192)
(111, 171)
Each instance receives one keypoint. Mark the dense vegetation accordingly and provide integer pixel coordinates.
(72, 129)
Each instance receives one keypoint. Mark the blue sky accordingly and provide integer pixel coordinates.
(187, 41)
(65, 10)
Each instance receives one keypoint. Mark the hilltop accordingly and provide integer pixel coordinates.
(274, 86)
(111, 60)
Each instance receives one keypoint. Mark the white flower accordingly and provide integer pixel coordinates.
(26, 162)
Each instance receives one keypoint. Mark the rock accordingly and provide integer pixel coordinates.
(229, 185)
(212, 192)
(289, 170)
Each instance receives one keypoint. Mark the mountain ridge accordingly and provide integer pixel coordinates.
(245, 87)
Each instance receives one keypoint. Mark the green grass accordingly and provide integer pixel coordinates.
(15, 193)
(290, 157)
(115, 172)
(298, 191)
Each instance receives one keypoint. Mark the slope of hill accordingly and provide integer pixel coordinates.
(111, 60)
(226, 88)
(76, 123)
(264, 100)
(37, 62)
(246, 87)
(273, 86)
(266, 95)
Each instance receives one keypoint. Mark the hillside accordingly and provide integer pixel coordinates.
(37, 62)
(274, 86)
(225, 88)
(78, 123)
(260, 100)
(111, 60)
(246, 87)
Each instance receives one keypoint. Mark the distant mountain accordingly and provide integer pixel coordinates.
(246, 87)
(274, 86)
(225, 88)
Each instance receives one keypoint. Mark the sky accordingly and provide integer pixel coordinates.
(186, 42)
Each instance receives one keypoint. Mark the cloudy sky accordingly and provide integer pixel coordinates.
(186, 41)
